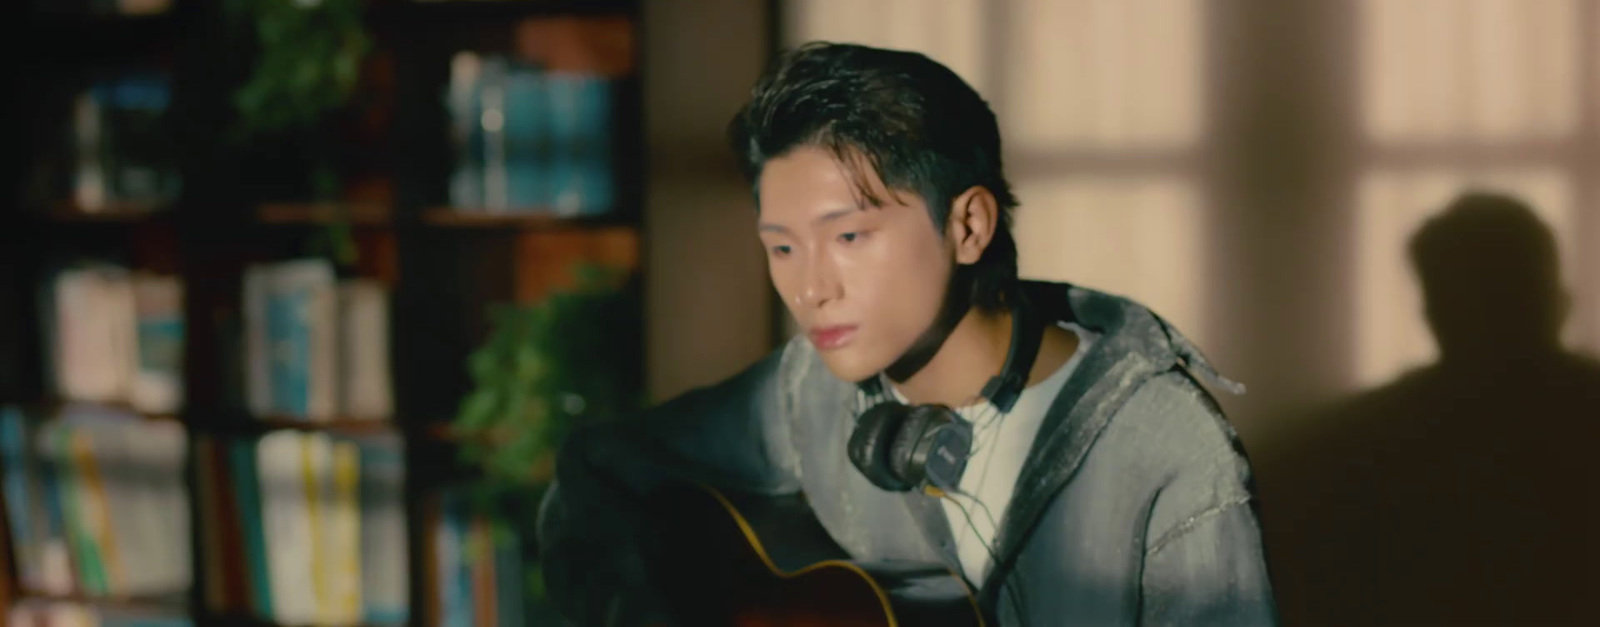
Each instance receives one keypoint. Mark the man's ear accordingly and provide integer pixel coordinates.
(974, 218)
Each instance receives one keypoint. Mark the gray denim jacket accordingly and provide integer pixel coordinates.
(1135, 506)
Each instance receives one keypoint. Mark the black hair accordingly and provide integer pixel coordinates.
(916, 123)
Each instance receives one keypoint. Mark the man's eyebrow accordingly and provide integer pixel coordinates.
(834, 215)
(822, 219)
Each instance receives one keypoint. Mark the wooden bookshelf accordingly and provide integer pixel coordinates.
(338, 425)
(445, 266)
(522, 219)
(110, 213)
(165, 603)
(54, 405)
(356, 214)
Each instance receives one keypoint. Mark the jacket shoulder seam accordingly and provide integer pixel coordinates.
(1188, 524)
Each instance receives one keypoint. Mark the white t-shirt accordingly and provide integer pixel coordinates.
(1000, 446)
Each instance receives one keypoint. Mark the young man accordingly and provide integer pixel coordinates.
(1110, 492)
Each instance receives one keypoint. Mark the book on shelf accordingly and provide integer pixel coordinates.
(116, 336)
(316, 346)
(123, 147)
(304, 528)
(529, 139)
(50, 613)
(97, 503)
(480, 575)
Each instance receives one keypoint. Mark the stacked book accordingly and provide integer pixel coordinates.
(97, 503)
(116, 336)
(480, 575)
(529, 139)
(37, 613)
(304, 528)
(316, 346)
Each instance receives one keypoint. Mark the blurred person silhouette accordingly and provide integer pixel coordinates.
(1463, 492)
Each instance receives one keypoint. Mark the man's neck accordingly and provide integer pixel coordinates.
(974, 352)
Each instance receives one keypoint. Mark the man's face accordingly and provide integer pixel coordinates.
(864, 282)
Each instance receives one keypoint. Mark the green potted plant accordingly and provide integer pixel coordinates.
(545, 370)
(308, 60)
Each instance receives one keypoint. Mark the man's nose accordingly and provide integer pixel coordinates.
(821, 283)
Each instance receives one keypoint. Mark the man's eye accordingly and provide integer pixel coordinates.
(849, 236)
(781, 250)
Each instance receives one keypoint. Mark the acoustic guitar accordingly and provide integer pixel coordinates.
(736, 560)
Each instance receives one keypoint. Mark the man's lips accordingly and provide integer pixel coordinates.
(825, 338)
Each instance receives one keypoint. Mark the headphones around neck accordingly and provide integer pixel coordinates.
(901, 447)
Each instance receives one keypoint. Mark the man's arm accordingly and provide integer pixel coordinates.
(1203, 558)
(723, 435)
(1209, 570)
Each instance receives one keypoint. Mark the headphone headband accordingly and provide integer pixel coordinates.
(899, 447)
(1003, 389)
(1026, 335)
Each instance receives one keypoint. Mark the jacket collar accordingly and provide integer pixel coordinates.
(1134, 346)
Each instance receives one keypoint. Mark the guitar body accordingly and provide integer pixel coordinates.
(725, 559)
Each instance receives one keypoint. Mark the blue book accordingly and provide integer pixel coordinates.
(383, 533)
(19, 496)
(51, 469)
(289, 336)
(525, 138)
(580, 162)
(247, 491)
(129, 619)
(512, 584)
(455, 564)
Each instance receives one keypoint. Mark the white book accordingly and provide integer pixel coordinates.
(365, 390)
(162, 448)
(284, 461)
(342, 551)
(94, 334)
(319, 498)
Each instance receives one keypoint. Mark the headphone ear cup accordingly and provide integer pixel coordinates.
(941, 454)
(905, 441)
(875, 433)
(909, 454)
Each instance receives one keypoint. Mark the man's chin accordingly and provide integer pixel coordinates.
(851, 367)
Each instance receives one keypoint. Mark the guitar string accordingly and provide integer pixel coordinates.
(1018, 595)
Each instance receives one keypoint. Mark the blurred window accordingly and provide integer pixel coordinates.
(1458, 94)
